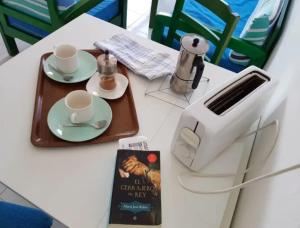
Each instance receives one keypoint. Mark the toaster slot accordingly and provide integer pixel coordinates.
(235, 93)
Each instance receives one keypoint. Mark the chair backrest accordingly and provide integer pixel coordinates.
(182, 21)
(54, 23)
(57, 18)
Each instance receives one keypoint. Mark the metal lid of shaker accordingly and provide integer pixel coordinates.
(194, 44)
(107, 63)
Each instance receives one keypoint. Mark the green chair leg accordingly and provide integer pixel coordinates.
(10, 44)
(159, 23)
(153, 13)
(124, 14)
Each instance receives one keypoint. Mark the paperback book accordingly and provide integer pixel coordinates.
(136, 196)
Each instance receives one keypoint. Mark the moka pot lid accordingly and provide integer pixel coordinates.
(194, 44)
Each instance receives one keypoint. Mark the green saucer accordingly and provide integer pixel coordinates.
(87, 67)
(59, 115)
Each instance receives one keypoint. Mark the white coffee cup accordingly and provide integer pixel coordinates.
(80, 106)
(66, 58)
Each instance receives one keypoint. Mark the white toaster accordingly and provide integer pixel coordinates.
(209, 125)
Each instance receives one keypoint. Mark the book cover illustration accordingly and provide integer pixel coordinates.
(136, 198)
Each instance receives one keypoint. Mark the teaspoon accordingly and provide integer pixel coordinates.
(97, 125)
(66, 77)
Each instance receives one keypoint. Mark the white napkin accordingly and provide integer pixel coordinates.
(136, 57)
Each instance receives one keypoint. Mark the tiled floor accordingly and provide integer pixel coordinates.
(137, 22)
(138, 16)
(9, 196)
(3, 53)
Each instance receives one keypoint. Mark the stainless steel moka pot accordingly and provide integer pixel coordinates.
(190, 64)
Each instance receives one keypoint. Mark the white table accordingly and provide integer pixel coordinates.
(74, 184)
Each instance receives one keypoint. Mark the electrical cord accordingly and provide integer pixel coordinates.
(256, 165)
(243, 185)
(261, 163)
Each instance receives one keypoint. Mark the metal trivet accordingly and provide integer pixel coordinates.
(160, 89)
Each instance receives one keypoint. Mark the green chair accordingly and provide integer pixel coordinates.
(154, 5)
(16, 21)
(181, 21)
(252, 47)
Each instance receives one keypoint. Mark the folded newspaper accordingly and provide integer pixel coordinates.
(138, 58)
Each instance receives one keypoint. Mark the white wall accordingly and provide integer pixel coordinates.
(165, 6)
(275, 203)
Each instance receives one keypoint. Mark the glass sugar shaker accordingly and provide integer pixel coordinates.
(107, 68)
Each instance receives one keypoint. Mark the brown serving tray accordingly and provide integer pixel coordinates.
(124, 121)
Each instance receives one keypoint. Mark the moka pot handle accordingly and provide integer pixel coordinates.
(198, 62)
